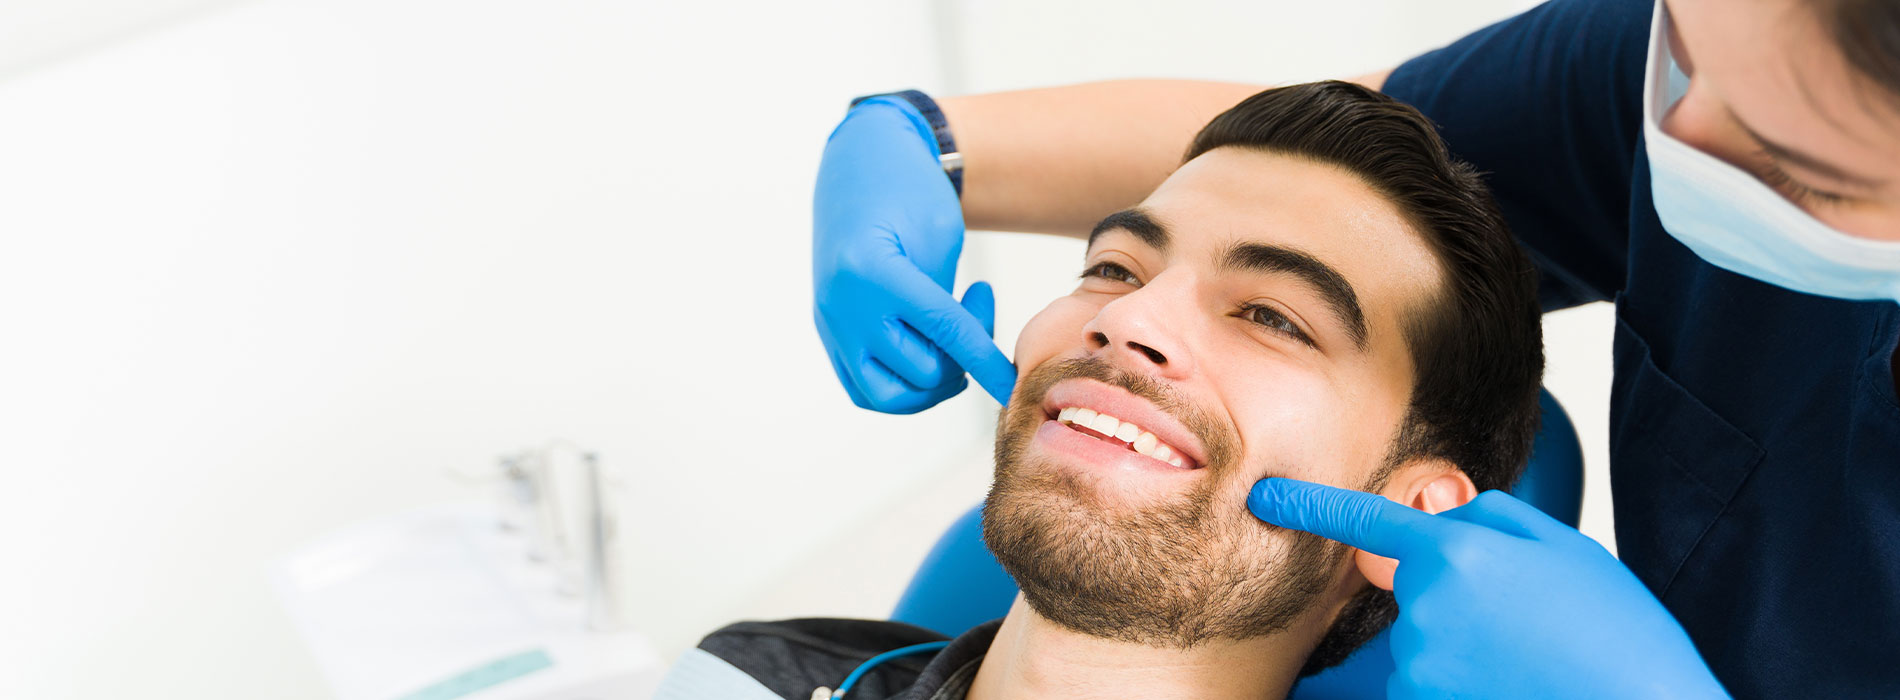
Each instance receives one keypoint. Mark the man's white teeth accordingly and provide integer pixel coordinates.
(1146, 444)
(1137, 439)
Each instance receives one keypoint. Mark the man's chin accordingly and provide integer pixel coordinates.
(1163, 570)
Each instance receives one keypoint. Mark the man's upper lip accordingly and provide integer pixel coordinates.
(1118, 402)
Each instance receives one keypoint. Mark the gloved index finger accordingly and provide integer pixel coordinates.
(1358, 519)
(938, 316)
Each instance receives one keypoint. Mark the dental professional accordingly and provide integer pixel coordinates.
(1727, 171)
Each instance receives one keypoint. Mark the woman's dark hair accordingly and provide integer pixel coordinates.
(1868, 32)
(1477, 345)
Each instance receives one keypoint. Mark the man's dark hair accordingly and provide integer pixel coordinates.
(1477, 346)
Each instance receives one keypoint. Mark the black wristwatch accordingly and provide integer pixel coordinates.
(947, 154)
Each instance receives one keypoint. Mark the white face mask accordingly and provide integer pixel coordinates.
(1737, 223)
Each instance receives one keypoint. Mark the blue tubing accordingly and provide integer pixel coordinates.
(863, 668)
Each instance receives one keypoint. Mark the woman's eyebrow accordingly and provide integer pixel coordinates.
(1332, 286)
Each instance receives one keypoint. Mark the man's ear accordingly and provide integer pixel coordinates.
(1430, 485)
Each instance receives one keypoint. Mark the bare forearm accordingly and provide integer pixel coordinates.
(1057, 160)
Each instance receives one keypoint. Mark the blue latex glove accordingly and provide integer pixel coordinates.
(1498, 600)
(886, 232)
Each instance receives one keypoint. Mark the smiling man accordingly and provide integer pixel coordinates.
(1318, 292)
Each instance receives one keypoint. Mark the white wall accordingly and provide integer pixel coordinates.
(37, 33)
(1001, 44)
(280, 267)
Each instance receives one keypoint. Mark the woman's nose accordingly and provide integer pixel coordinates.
(1702, 121)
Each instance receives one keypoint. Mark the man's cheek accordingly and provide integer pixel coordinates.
(1054, 331)
(1293, 431)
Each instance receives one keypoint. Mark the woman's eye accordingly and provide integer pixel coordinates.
(1275, 321)
(1111, 271)
(1775, 177)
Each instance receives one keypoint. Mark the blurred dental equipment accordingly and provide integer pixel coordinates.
(515, 599)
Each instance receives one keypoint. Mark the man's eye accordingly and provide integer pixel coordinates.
(1275, 321)
(1111, 271)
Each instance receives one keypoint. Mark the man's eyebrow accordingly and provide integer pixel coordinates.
(1810, 162)
(1332, 286)
(1137, 222)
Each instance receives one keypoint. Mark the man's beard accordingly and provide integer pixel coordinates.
(1173, 574)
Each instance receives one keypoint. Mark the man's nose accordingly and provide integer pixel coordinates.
(1137, 332)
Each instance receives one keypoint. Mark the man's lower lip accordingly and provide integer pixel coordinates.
(1098, 452)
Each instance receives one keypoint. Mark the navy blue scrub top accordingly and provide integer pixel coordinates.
(1754, 432)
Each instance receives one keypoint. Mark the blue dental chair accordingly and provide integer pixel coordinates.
(960, 585)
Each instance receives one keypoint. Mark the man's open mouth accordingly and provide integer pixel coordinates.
(1110, 429)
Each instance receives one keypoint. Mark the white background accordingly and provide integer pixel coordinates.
(268, 269)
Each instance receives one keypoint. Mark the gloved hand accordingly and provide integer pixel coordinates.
(1498, 600)
(886, 232)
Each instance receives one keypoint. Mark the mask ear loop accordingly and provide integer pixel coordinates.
(1663, 81)
(1678, 84)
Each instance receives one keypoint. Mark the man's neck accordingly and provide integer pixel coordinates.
(1034, 658)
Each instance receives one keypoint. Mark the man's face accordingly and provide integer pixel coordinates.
(1247, 320)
